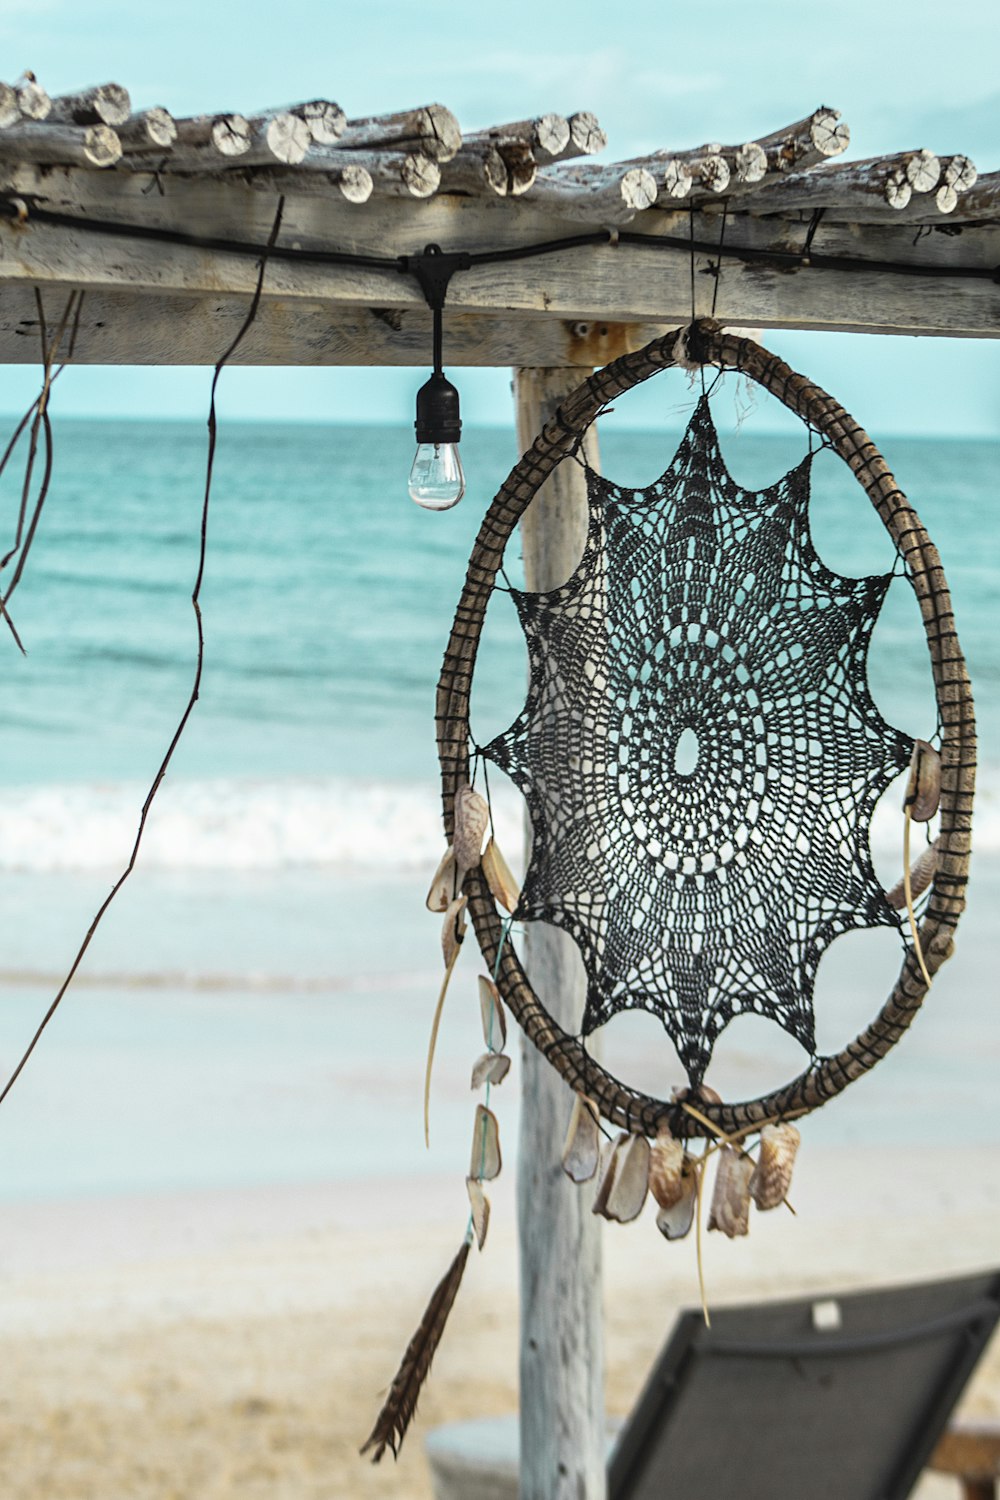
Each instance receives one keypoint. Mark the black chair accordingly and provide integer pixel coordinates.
(828, 1398)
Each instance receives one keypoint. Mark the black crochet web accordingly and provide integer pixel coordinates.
(700, 752)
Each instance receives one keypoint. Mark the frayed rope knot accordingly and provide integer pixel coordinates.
(691, 349)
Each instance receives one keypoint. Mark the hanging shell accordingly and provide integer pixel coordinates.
(666, 1169)
(485, 1160)
(772, 1175)
(923, 789)
(453, 930)
(624, 1182)
(494, 1020)
(675, 1220)
(730, 1211)
(501, 882)
(582, 1147)
(480, 1205)
(472, 818)
(922, 872)
(443, 887)
(492, 1067)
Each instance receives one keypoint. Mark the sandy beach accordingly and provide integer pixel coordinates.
(235, 1343)
(189, 1322)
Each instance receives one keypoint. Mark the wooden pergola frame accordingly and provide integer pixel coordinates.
(161, 224)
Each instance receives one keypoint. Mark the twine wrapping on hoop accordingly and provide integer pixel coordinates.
(705, 343)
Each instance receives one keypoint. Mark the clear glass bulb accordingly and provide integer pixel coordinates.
(436, 479)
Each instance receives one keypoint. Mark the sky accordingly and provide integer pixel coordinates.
(656, 72)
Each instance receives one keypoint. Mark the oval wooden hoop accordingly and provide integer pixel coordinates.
(705, 343)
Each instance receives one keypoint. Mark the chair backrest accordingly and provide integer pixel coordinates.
(831, 1398)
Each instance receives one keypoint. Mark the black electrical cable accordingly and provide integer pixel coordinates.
(21, 209)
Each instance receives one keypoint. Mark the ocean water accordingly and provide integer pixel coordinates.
(275, 917)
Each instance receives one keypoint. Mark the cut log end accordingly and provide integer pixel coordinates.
(288, 138)
(231, 135)
(751, 162)
(442, 137)
(152, 127)
(326, 120)
(713, 173)
(420, 175)
(355, 184)
(550, 136)
(923, 171)
(677, 179)
(106, 104)
(897, 190)
(638, 188)
(830, 134)
(586, 134)
(32, 100)
(101, 145)
(959, 173)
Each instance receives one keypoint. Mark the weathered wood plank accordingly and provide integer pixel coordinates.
(562, 1421)
(121, 328)
(626, 284)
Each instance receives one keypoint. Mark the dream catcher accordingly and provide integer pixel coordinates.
(701, 757)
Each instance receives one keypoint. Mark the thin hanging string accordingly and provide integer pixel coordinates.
(718, 263)
(199, 664)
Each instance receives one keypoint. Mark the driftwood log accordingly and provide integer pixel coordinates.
(106, 104)
(430, 131)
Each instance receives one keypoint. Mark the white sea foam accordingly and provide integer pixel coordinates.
(272, 825)
(237, 825)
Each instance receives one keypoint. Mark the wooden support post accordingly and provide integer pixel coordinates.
(562, 1356)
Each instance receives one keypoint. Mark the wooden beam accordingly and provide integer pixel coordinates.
(562, 1422)
(603, 283)
(124, 328)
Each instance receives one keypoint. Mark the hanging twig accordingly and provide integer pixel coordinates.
(38, 415)
(199, 665)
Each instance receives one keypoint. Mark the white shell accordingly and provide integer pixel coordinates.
(472, 818)
(772, 1175)
(624, 1183)
(675, 1221)
(485, 1159)
(492, 1067)
(501, 882)
(494, 1020)
(666, 1169)
(582, 1147)
(730, 1211)
(453, 930)
(480, 1205)
(922, 872)
(443, 886)
(923, 789)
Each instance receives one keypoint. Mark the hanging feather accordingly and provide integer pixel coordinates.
(401, 1402)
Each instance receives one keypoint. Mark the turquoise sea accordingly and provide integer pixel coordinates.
(269, 971)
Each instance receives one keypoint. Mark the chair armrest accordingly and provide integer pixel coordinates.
(970, 1450)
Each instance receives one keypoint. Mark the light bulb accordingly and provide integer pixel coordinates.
(436, 478)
